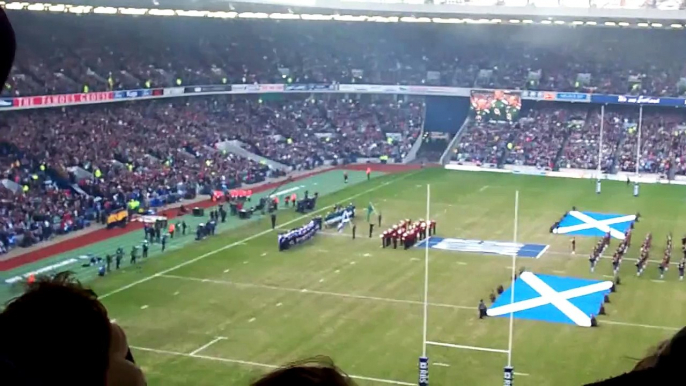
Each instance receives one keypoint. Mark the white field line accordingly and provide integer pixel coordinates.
(546, 251)
(541, 253)
(553, 253)
(314, 292)
(215, 340)
(475, 348)
(381, 299)
(601, 322)
(624, 261)
(245, 240)
(257, 364)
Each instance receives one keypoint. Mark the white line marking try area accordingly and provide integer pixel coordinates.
(497, 350)
(245, 240)
(215, 340)
(257, 364)
(314, 292)
(399, 301)
(640, 325)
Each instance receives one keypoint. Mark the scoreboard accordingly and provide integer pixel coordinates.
(496, 105)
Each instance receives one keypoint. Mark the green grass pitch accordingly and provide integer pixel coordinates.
(223, 311)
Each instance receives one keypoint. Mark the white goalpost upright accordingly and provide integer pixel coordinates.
(638, 149)
(508, 373)
(424, 360)
(600, 150)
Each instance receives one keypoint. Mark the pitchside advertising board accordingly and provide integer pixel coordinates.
(131, 94)
(204, 89)
(499, 105)
(63, 99)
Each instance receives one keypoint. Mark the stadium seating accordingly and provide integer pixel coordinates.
(57, 55)
(159, 151)
(567, 136)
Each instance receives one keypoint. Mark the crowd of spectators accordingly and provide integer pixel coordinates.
(169, 148)
(555, 136)
(57, 55)
(540, 136)
(663, 142)
(483, 142)
(582, 149)
(65, 167)
(299, 131)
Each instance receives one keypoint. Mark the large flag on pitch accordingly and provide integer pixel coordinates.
(370, 210)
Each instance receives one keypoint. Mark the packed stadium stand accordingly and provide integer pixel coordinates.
(168, 148)
(57, 161)
(557, 135)
(57, 55)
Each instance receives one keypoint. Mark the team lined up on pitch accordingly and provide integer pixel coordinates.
(408, 233)
(642, 261)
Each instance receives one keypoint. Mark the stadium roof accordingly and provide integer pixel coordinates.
(607, 13)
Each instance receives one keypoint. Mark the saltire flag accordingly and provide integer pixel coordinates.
(344, 220)
(370, 210)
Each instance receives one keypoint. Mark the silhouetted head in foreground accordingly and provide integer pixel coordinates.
(662, 366)
(58, 333)
(319, 371)
(7, 47)
(56, 328)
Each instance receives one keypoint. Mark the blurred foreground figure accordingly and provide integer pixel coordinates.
(58, 333)
(662, 366)
(319, 371)
(7, 47)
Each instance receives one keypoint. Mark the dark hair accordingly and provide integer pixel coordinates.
(661, 366)
(7, 47)
(319, 371)
(57, 332)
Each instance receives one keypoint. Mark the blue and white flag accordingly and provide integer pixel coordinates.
(344, 220)
(336, 217)
(299, 235)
